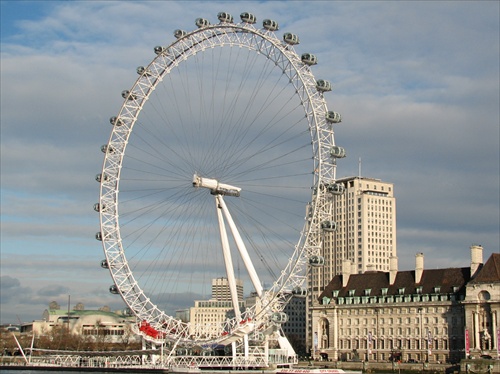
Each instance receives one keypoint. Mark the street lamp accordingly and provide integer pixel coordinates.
(421, 312)
(375, 341)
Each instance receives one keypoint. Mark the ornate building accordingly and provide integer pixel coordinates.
(421, 315)
(481, 306)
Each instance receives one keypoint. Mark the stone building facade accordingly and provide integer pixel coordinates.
(481, 308)
(419, 315)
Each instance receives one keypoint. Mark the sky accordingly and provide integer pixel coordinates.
(417, 84)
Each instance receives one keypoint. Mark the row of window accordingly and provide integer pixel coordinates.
(400, 310)
(215, 304)
(101, 332)
(407, 321)
(411, 343)
(391, 331)
(396, 299)
(369, 186)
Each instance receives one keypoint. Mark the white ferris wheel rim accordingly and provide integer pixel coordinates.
(262, 41)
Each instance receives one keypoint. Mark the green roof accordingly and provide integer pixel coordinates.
(62, 312)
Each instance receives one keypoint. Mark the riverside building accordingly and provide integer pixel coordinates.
(436, 315)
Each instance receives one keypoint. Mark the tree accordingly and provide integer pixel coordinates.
(79, 306)
(53, 305)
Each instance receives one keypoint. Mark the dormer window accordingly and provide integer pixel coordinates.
(437, 289)
(455, 288)
(335, 293)
(368, 291)
(384, 291)
(419, 290)
(401, 291)
(352, 292)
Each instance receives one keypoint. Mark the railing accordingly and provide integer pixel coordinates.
(254, 360)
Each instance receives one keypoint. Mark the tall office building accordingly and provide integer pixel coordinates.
(364, 233)
(211, 314)
(221, 292)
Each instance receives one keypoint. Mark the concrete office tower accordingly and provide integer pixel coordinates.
(365, 235)
(220, 289)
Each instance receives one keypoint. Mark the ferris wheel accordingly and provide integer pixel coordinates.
(220, 163)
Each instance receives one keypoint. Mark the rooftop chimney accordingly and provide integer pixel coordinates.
(476, 258)
(393, 269)
(419, 267)
(370, 268)
(346, 272)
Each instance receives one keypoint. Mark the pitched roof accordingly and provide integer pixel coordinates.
(490, 272)
(449, 280)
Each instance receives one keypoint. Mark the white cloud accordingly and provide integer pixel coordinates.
(417, 84)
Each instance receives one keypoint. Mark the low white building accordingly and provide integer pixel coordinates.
(97, 323)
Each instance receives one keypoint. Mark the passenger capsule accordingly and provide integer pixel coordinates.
(141, 70)
(316, 261)
(248, 17)
(333, 117)
(336, 188)
(129, 95)
(104, 264)
(279, 317)
(107, 149)
(225, 17)
(309, 59)
(257, 337)
(329, 225)
(323, 85)
(116, 121)
(98, 236)
(270, 25)
(202, 22)
(179, 33)
(99, 208)
(337, 152)
(101, 177)
(160, 49)
(290, 38)
(299, 292)
(113, 289)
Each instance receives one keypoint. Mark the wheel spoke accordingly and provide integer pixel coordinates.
(237, 108)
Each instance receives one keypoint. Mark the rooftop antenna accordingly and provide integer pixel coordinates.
(359, 168)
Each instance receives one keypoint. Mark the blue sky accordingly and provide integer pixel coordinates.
(417, 84)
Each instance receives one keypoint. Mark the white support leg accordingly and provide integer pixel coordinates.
(228, 260)
(242, 249)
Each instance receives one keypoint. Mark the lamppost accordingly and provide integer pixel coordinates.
(375, 341)
(421, 346)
